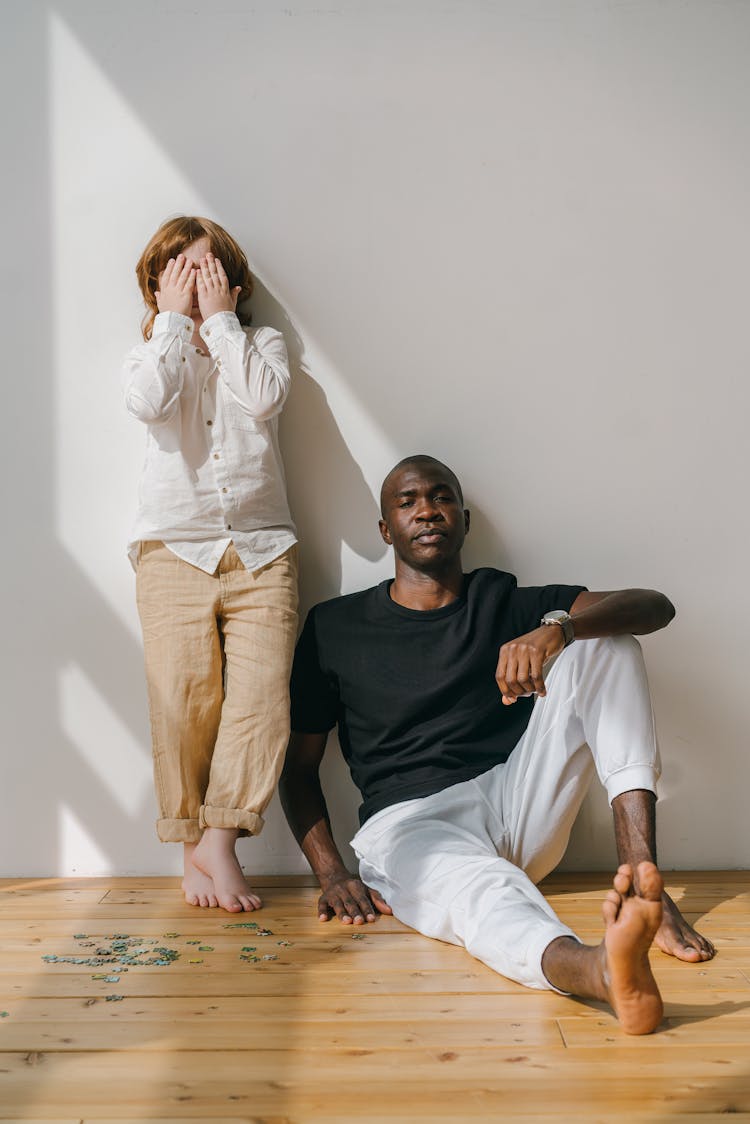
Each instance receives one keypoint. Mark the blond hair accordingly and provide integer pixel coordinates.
(172, 237)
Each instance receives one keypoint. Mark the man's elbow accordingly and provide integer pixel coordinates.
(664, 610)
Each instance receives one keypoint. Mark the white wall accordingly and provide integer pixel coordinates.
(513, 235)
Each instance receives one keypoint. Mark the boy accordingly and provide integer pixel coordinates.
(215, 553)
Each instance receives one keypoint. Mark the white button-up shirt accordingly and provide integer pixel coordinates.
(213, 472)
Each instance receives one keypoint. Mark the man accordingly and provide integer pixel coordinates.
(470, 787)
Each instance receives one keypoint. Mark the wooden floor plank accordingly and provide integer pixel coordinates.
(215, 1034)
(680, 1078)
(328, 1116)
(261, 980)
(310, 1008)
(320, 1033)
(285, 922)
(424, 1117)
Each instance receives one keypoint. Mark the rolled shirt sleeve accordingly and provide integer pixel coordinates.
(253, 364)
(153, 372)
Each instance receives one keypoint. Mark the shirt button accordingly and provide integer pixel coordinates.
(229, 526)
(225, 489)
(216, 456)
(207, 331)
(209, 422)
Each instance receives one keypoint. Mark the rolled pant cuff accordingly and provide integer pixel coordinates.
(629, 778)
(178, 831)
(247, 823)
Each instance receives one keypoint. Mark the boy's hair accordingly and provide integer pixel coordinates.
(172, 237)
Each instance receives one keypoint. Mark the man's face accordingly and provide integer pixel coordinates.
(423, 515)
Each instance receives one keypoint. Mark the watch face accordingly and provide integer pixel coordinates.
(565, 621)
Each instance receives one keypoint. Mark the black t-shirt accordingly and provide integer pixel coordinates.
(414, 692)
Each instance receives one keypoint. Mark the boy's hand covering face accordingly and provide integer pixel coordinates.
(214, 293)
(176, 285)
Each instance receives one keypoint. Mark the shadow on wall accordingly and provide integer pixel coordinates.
(334, 493)
(330, 499)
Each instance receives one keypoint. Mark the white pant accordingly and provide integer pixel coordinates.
(461, 865)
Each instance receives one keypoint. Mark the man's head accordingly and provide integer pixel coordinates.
(423, 516)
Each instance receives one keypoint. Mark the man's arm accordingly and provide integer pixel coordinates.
(305, 808)
(635, 611)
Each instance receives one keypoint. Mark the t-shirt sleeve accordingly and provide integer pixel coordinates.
(531, 602)
(314, 697)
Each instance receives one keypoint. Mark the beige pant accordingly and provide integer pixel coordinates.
(218, 651)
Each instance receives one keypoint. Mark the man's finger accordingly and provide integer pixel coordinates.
(336, 903)
(511, 675)
(501, 673)
(366, 908)
(525, 679)
(325, 913)
(352, 910)
(537, 674)
(380, 904)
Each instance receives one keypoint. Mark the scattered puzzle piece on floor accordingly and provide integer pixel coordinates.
(123, 950)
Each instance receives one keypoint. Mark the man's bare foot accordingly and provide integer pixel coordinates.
(677, 937)
(632, 922)
(197, 886)
(216, 858)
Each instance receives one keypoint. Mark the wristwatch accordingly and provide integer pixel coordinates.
(559, 616)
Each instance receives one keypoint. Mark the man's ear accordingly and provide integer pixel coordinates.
(467, 520)
(384, 532)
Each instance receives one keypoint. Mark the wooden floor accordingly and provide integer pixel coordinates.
(312, 1022)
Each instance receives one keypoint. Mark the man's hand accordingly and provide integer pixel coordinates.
(176, 284)
(519, 669)
(350, 900)
(214, 294)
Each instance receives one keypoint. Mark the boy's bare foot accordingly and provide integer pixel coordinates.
(678, 938)
(215, 857)
(197, 886)
(632, 922)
